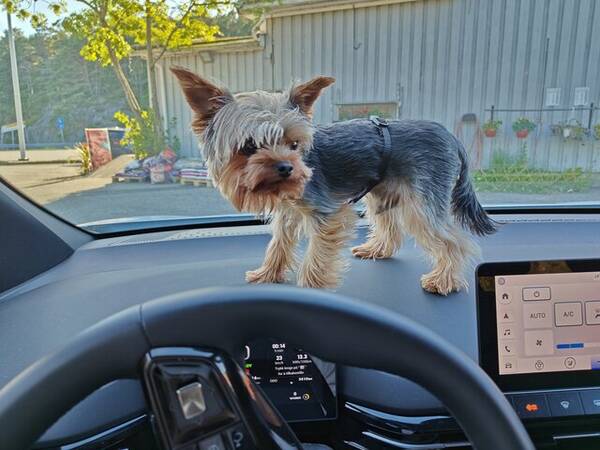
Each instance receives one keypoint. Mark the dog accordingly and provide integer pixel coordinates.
(265, 156)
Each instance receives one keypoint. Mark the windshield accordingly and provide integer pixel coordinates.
(96, 128)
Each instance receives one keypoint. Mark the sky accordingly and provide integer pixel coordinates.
(36, 6)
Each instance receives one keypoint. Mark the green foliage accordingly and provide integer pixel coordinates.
(523, 123)
(140, 135)
(120, 25)
(492, 125)
(512, 174)
(85, 159)
(171, 137)
(57, 82)
(597, 131)
(233, 23)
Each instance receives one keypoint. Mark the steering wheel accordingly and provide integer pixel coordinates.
(184, 348)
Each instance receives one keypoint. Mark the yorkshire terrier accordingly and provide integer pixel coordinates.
(265, 156)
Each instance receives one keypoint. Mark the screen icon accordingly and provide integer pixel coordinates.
(592, 313)
(507, 348)
(539, 364)
(536, 293)
(504, 298)
(506, 316)
(570, 362)
(508, 364)
(506, 332)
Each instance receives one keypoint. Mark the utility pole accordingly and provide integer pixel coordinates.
(16, 91)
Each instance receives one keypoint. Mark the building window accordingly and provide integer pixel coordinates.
(552, 96)
(349, 111)
(582, 95)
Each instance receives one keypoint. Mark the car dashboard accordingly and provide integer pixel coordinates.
(344, 407)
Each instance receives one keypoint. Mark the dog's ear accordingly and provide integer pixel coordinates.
(204, 97)
(304, 95)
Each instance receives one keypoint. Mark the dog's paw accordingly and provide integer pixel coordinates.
(264, 275)
(368, 251)
(317, 281)
(440, 284)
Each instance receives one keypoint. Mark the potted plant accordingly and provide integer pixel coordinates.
(573, 129)
(490, 128)
(522, 126)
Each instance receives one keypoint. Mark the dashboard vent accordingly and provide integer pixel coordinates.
(192, 234)
(547, 219)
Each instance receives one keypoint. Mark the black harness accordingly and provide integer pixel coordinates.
(383, 128)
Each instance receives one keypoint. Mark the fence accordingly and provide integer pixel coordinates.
(564, 138)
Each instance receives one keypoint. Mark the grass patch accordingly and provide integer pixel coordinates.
(512, 174)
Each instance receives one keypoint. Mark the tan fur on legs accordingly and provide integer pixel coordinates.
(323, 265)
(449, 247)
(451, 250)
(385, 234)
(280, 252)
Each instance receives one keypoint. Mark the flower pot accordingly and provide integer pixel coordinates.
(490, 132)
(522, 134)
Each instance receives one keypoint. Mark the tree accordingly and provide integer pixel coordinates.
(112, 29)
(57, 82)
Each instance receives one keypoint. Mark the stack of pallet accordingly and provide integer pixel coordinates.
(197, 176)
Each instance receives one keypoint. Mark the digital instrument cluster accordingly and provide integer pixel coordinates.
(302, 387)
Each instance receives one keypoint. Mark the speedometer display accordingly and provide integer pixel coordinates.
(302, 387)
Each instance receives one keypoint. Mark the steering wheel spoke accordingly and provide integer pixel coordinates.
(201, 399)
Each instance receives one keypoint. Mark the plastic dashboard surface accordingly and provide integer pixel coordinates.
(106, 276)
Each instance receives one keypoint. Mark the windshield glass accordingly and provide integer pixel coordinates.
(96, 128)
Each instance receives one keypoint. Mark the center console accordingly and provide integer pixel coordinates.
(539, 337)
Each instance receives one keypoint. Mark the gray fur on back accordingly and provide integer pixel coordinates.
(346, 157)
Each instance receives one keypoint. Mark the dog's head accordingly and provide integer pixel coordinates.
(254, 142)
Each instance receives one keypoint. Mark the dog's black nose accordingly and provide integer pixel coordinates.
(284, 169)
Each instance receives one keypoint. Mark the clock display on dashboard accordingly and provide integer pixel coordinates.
(302, 387)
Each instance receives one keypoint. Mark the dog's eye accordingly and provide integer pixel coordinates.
(249, 148)
(294, 145)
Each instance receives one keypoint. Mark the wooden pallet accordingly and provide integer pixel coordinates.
(205, 182)
(121, 179)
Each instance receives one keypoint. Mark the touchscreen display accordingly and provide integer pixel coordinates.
(548, 322)
(300, 386)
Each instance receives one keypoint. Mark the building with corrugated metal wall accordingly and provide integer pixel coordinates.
(445, 60)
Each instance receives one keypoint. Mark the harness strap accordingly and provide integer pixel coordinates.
(383, 128)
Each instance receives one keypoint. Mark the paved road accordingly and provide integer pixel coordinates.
(120, 200)
(133, 199)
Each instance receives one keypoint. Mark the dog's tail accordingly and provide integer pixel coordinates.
(465, 206)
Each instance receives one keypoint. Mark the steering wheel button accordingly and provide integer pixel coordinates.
(191, 400)
(215, 442)
(240, 439)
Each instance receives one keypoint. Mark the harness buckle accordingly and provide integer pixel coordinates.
(380, 122)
